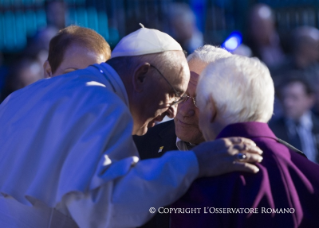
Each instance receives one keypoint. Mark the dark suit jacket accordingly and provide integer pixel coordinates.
(279, 128)
(285, 180)
(161, 135)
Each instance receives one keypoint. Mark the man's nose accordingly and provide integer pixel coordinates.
(186, 108)
(171, 113)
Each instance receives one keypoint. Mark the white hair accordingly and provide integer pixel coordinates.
(208, 54)
(241, 88)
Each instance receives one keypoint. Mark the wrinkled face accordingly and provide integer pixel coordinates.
(295, 100)
(186, 121)
(157, 97)
(78, 57)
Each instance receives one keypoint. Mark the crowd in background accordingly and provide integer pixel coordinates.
(293, 62)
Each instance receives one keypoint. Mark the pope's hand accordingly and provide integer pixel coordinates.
(227, 155)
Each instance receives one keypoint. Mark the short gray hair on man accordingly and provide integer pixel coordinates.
(241, 88)
(208, 53)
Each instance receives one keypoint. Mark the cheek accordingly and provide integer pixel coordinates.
(202, 122)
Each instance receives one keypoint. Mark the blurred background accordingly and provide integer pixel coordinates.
(281, 33)
(26, 26)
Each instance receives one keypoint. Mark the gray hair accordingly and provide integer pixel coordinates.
(241, 88)
(208, 54)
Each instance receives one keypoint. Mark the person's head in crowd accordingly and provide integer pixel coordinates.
(74, 48)
(22, 73)
(261, 24)
(55, 13)
(305, 46)
(296, 95)
(262, 36)
(233, 90)
(183, 27)
(155, 74)
(186, 121)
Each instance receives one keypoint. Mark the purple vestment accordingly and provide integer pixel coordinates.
(284, 193)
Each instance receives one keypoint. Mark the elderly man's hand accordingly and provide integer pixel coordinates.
(227, 155)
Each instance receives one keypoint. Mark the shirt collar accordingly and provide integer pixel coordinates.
(305, 121)
(182, 145)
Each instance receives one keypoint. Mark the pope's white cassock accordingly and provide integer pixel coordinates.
(67, 157)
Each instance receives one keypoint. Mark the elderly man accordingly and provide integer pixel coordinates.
(235, 97)
(183, 132)
(67, 154)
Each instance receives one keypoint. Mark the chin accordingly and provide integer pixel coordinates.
(142, 131)
(189, 137)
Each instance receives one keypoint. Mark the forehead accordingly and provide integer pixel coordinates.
(196, 67)
(79, 54)
(180, 76)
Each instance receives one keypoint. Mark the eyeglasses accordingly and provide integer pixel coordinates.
(186, 97)
(179, 98)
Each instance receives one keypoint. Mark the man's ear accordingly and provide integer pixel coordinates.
(211, 109)
(139, 76)
(47, 69)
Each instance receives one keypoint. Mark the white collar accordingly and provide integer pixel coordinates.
(182, 145)
(115, 80)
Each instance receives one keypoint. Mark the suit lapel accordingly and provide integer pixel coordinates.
(157, 141)
(167, 137)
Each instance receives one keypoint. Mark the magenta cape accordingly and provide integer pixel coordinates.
(286, 181)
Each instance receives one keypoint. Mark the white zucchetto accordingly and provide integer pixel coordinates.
(145, 41)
